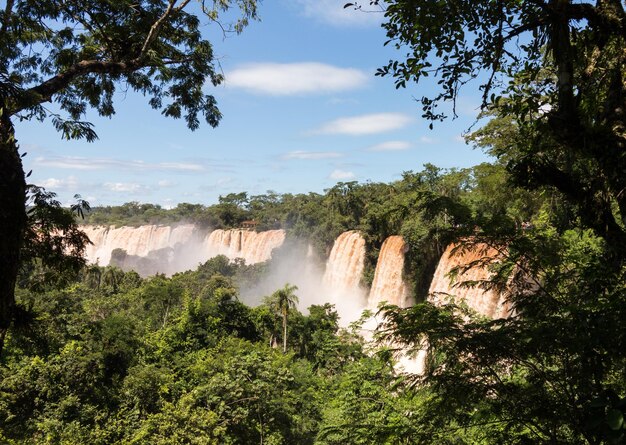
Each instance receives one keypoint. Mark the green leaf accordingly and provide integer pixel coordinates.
(615, 419)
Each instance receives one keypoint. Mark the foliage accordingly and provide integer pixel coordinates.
(162, 359)
(283, 301)
(53, 243)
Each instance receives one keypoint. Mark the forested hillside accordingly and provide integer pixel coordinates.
(112, 358)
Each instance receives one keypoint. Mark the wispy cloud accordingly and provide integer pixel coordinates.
(365, 124)
(298, 154)
(333, 13)
(80, 163)
(339, 175)
(219, 184)
(166, 183)
(390, 146)
(64, 184)
(284, 79)
(343, 101)
(126, 187)
(428, 140)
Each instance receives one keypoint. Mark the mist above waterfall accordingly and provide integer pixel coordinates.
(296, 263)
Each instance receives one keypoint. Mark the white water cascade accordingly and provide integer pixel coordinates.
(388, 284)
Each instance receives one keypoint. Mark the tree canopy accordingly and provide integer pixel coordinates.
(555, 66)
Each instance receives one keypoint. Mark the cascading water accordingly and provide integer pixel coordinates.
(345, 264)
(253, 247)
(340, 283)
(488, 302)
(150, 248)
(138, 241)
(388, 284)
(342, 277)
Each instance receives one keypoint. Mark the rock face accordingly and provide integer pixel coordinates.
(488, 302)
(253, 247)
(388, 284)
(345, 264)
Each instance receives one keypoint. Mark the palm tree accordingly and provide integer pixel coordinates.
(284, 300)
(112, 276)
(93, 276)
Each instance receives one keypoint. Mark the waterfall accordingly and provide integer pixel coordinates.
(342, 277)
(388, 284)
(137, 241)
(345, 264)
(253, 247)
(169, 249)
(488, 302)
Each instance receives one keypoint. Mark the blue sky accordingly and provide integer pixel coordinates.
(302, 110)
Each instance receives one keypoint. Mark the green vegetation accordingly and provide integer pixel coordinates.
(553, 80)
(97, 355)
(119, 359)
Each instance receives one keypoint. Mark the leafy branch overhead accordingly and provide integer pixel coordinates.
(78, 54)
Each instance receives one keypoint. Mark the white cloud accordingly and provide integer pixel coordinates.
(343, 101)
(365, 124)
(427, 140)
(332, 12)
(166, 183)
(125, 187)
(53, 184)
(79, 163)
(284, 79)
(339, 175)
(390, 146)
(299, 154)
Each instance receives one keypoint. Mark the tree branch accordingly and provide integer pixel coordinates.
(44, 91)
(154, 30)
(7, 15)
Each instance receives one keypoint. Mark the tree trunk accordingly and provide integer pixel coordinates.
(12, 219)
(284, 332)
